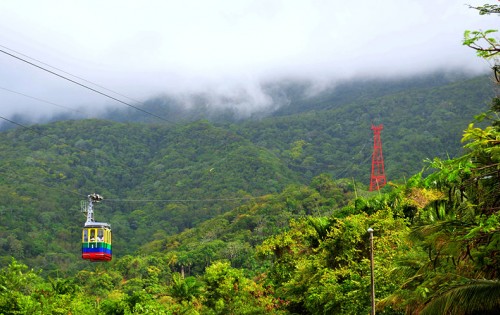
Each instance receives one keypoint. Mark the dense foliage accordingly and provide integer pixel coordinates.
(48, 169)
(221, 219)
(305, 251)
(436, 243)
(159, 179)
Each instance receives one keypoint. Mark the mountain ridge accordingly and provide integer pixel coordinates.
(185, 173)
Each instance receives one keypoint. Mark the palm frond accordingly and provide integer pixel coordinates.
(472, 297)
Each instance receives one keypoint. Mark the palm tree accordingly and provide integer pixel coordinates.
(460, 234)
(470, 297)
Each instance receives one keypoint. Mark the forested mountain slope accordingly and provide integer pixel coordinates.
(329, 131)
(47, 169)
(233, 235)
(254, 238)
(284, 98)
(419, 123)
(159, 179)
(305, 97)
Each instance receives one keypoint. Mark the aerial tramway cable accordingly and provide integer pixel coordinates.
(41, 100)
(186, 200)
(80, 84)
(103, 94)
(83, 85)
(74, 76)
(118, 200)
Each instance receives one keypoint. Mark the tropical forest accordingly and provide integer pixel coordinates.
(273, 213)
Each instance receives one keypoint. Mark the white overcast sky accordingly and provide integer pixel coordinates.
(146, 48)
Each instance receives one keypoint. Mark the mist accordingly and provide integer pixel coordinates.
(228, 51)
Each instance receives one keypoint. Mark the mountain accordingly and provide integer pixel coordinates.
(419, 122)
(248, 217)
(423, 117)
(48, 169)
(161, 178)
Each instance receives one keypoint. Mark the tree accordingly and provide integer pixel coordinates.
(228, 291)
(321, 265)
(460, 232)
(185, 289)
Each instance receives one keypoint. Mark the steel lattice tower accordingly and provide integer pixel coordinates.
(377, 179)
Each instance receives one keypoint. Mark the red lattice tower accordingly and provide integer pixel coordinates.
(377, 179)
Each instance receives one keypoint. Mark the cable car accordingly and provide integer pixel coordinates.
(96, 236)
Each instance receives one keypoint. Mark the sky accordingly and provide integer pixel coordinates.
(143, 49)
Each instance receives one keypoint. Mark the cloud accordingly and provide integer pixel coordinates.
(142, 49)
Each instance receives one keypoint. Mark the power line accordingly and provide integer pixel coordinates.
(352, 163)
(106, 95)
(2, 169)
(184, 200)
(74, 76)
(41, 100)
(116, 200)
(84, 86)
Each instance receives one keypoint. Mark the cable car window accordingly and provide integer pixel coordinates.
(100, 235)
(92, 235)
(85, 235)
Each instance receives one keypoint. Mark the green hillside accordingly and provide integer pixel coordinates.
(330, 131)
(256, 216)
(306, 250)
(419, 123)
(48, 169)
(213, 213)
(159, 179)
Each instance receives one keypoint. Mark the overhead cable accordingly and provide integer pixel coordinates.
(74, 76)
(83, 85)
(184, 200)
(41, 100)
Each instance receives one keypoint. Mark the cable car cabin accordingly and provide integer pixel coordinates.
(96, 241)
(96, 236)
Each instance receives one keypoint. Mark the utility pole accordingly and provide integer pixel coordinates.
(372, 267)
